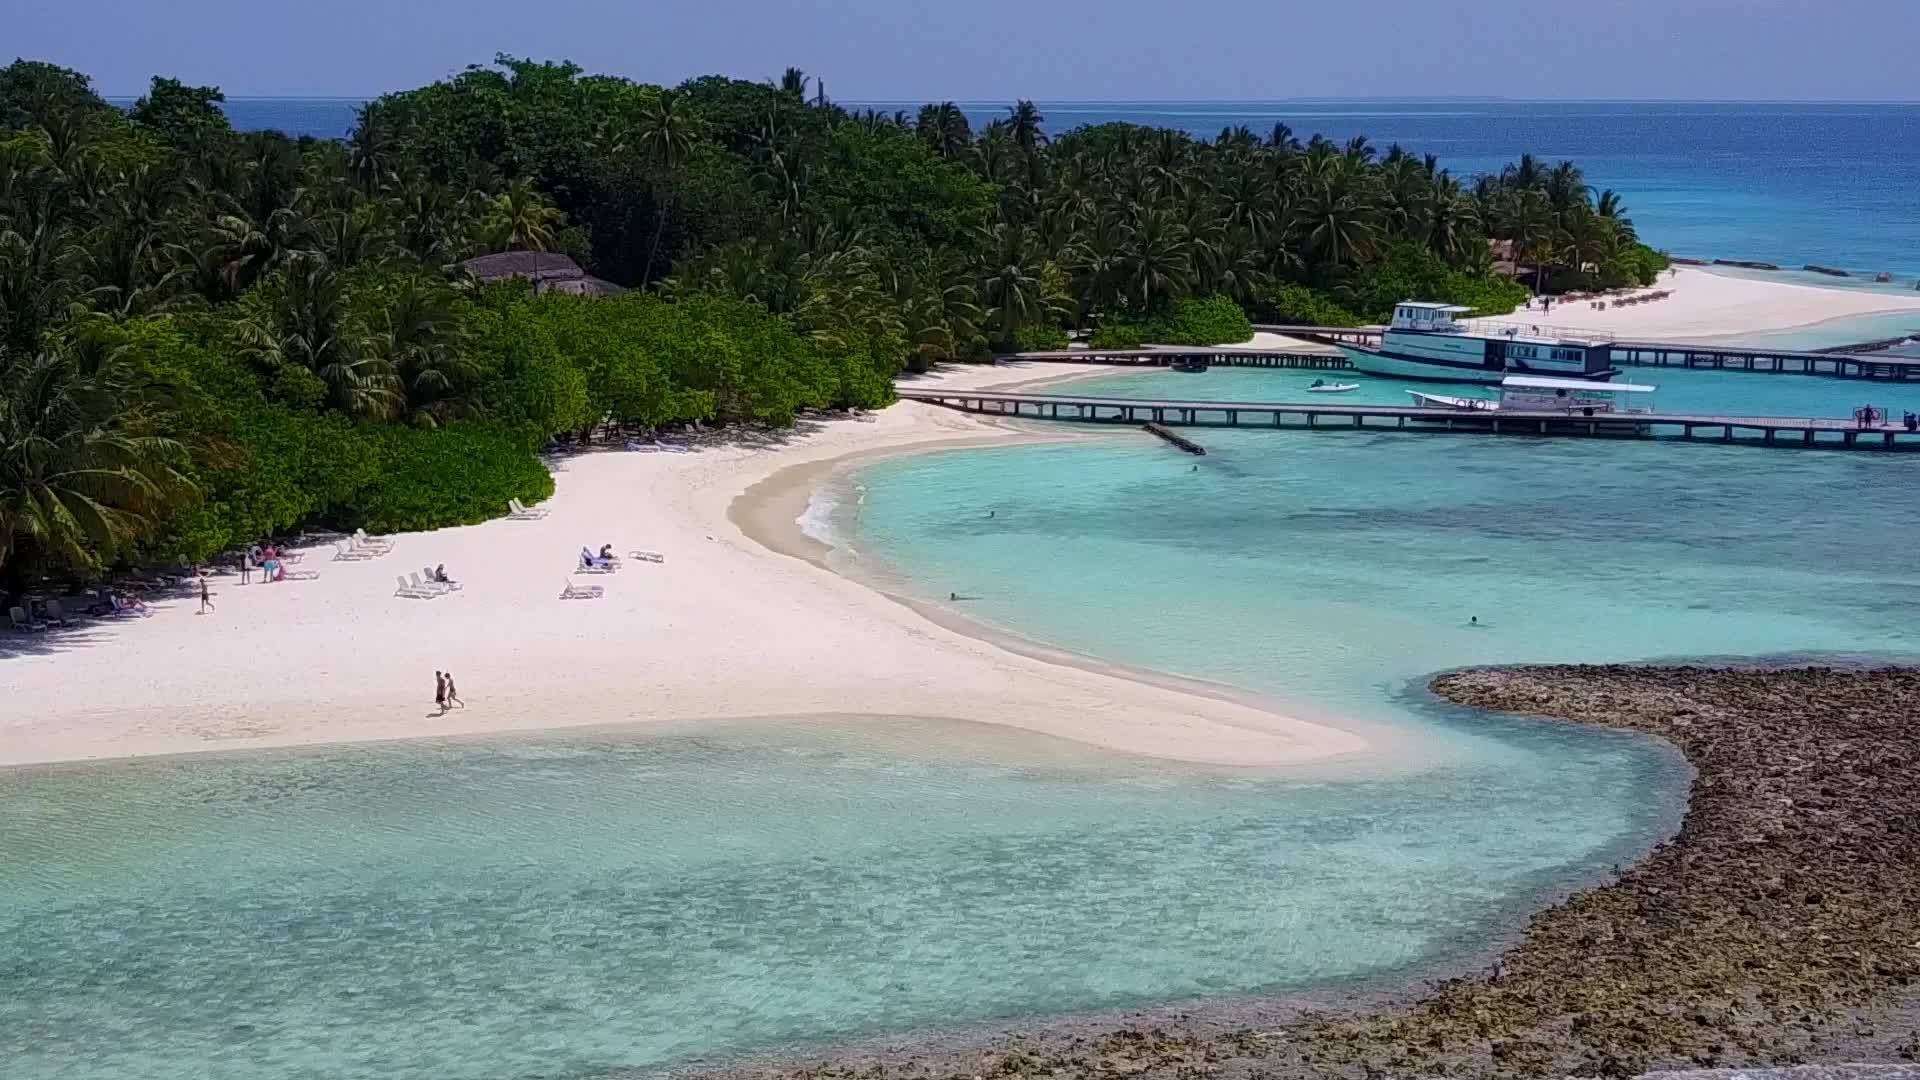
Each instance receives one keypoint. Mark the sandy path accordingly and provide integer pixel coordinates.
(726, 628)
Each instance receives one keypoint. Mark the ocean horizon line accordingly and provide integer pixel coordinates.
(1306, 100)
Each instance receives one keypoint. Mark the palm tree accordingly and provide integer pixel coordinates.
(1337, 213)
(521, 219)
(1023, 124)
(944, 127)
(420, 338)
(1527, 221)
(1012, 285)
(665, 135)
(372, 152)
(793, 84)
(41, 261)
(309, 324)
(80, 471)
(1156, 259)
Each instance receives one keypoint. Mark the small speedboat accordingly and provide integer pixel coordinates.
(1322, 386)
(1443, 401)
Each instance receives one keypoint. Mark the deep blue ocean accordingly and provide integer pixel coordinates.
(1833, 184)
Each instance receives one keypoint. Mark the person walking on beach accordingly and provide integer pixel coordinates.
(206, 598)
(440, 691)
(246, 568)
(453, 694)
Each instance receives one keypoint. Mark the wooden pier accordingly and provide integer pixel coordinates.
(1844, 365)
(1849, 362)
(1778, 361)
(1225, 356)
(1749, 430)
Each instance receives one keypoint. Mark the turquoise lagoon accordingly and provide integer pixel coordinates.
(580, 904)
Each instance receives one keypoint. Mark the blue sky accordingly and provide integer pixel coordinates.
(998, 49)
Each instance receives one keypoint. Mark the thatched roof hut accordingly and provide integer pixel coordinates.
(549, 271)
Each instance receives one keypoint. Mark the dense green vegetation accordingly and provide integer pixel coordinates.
(207, 336)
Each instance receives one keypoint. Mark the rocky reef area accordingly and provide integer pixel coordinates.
(1780, 926)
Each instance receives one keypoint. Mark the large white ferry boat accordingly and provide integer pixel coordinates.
(1424, 342)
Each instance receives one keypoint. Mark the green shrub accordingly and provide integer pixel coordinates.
(429, 479)
(1298, 305)
(1648, 264)
(1194, 320)
(1411, 272)
(1116, 334)
(1042, 338)
(1204, 320)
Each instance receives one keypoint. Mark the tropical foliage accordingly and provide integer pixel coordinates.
(209, 335)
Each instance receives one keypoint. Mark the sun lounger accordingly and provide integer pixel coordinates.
(518, 509)
(646, 556)
(299, 575)
(23, 624)
(582, 592)
(372, 543)
(434, 583)
(56, 614)
(127, 609)
(655, 447)
(348, 553)
(594, 566)
(411, 592)
(429, 585)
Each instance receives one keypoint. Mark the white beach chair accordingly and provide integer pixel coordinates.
(524, 512)
(431, 583)
(646, 556)
(373, 543)
(23, 624)
(56, 615)
(582, 592)
(411, 592)
(429, 586)
(348, 553)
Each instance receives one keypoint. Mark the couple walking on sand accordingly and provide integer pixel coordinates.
(444, 693)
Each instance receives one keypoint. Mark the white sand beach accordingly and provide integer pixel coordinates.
(741, 621)
(1704, 304)
(725, 628)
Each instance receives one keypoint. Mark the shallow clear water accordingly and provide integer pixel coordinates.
(568, 906)
(1328, 568)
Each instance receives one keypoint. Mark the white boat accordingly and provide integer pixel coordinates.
(1575, 397)
(1320, 387)
(1425, 342)
(1527, 394)
(1444, 401)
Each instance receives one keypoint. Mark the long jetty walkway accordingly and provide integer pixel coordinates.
(1224, 356)
(1843, 365)
(1751, 430)
(1847, 362)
